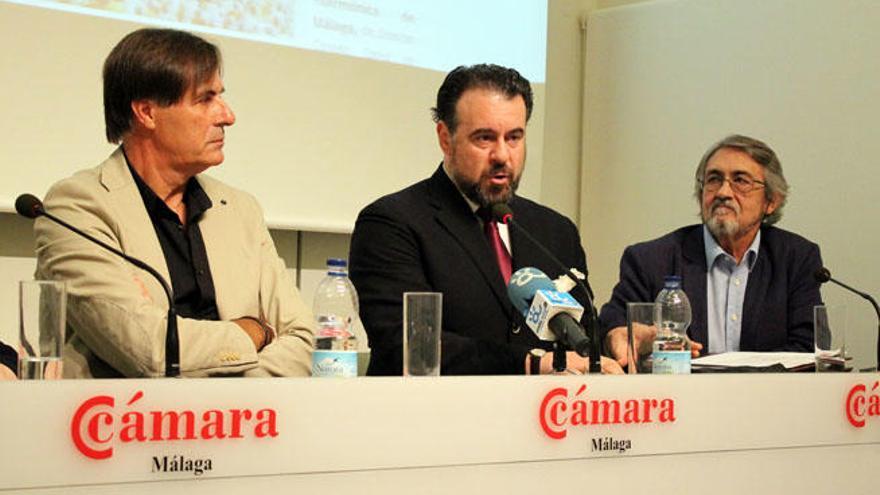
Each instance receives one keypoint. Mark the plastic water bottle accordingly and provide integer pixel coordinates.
(672, 349)
(336, 309)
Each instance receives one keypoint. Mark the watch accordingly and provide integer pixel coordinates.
(535, 356)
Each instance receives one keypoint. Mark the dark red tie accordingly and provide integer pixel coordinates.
(502, 257)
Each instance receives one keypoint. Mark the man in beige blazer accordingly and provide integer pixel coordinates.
(239, 312)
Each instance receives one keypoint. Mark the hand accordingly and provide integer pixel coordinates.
(254, 330)
(7, 374)
(643, 339)
(611, 367)
(53, 370)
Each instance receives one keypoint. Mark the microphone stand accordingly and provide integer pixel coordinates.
(870, 299)
(592, 316)
(560, 360)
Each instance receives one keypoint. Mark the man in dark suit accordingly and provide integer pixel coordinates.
(751, 285)
(431, 237)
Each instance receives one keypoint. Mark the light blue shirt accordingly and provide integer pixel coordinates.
(725, 292)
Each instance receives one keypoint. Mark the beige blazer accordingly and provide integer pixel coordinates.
(117, 313)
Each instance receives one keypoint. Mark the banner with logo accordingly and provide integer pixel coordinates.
(121, 431)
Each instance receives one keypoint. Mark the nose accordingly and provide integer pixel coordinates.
(501, 152)
(726, 189)
(227, 116)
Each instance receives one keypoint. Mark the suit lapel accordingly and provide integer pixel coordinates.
(137, 236)
(756, 291)
(453, 214)
(694, 282)
(226, 258)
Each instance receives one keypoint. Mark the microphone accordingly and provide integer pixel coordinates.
(501, 212)
(551, 314)
(28, 205)
(823, 275)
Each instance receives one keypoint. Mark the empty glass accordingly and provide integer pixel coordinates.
(422, 326)
(42, 317)
(829, 325)
(640, 333)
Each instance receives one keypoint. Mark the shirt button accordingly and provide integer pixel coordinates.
(200, 271)
(736, 281)
(733, 317)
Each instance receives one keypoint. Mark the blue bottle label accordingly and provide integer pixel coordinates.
(335, 363)
(672, 362)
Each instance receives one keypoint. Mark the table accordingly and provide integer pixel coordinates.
(726, 433)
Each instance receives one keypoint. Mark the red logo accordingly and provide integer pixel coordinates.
(96, 425)
(559, 412)
(861, 404)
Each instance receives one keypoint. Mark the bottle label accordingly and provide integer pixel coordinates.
(335, 363)
(672, 362)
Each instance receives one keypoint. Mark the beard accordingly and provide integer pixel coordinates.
(722, 228)
(483, 192)
(486, 194)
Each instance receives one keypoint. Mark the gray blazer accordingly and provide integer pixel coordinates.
(117, 314)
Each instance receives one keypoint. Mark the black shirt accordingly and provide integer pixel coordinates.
(8, 357)
(184, 249)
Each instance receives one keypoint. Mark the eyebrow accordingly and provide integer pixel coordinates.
(206, 90)
(482, 130)
(487, 130)
(732, 174)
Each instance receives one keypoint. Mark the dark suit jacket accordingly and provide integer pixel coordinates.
(425, 238)
(8, 357)
(779, 299)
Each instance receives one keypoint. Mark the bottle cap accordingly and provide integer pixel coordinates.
(337, 262)
(673, 280)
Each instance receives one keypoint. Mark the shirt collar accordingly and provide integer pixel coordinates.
(713, 250)
(195, 198)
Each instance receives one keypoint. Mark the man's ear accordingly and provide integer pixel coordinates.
(772, 204)
(144, 113)
(444, 138)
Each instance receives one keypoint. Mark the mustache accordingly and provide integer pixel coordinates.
(727, 203)
(499, 167)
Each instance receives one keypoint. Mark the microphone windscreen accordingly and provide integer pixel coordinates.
(28, 205)
(523, 285)
(501, 212)
(822, 275)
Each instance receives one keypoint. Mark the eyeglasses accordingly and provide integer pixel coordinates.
(742, 184)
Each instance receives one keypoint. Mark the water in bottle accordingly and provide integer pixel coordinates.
(336, 309)
(672, 349)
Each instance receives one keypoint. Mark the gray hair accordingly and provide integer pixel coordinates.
(775, 184)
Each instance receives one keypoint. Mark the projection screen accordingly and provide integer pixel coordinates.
(331, 97)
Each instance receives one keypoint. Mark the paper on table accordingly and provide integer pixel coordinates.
(757, 359)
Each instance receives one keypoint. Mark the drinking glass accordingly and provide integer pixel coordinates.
(829, 325)
(42, 317)
(640, 333)
(421, 333)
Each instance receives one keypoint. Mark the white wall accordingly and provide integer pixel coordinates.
(563, 126)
